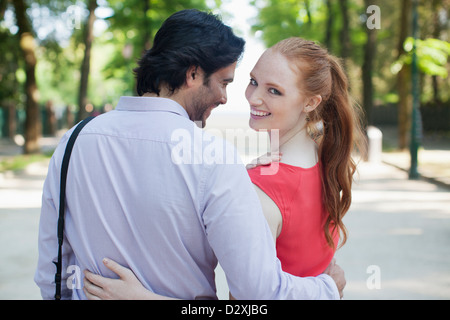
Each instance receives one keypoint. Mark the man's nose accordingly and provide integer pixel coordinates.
(224, 99)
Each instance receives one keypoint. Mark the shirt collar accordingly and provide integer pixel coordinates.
(150, 104)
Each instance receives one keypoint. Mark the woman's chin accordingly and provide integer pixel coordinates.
(253, 124)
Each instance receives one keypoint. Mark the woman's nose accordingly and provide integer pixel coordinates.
(253, 97)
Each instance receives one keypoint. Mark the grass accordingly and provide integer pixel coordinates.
(17, 163)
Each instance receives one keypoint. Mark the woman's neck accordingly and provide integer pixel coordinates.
(297, 148)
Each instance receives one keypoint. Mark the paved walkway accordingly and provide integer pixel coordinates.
(399, 237)
(20, 202)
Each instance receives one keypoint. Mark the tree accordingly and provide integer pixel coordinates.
(9, 64)
(345, 32)
(27, 46)
(432, 57)
(404, 79)
(292, 18)
(367, 68)
(437, 27)
(85, 66)
(329, 26)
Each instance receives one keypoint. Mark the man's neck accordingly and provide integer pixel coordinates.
(164, 93)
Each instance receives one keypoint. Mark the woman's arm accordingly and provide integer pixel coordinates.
(270, 209)
(271, 212)
(127, 287)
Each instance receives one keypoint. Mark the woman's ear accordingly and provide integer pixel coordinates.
(313, 103)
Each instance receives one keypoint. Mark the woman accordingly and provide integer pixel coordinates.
(299, 90)
(294, 87)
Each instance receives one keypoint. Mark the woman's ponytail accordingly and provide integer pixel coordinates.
(335, 151)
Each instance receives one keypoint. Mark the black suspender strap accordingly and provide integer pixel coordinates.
(62, 202)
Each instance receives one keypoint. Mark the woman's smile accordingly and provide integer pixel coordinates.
(258, 114)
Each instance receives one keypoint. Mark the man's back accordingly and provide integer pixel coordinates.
(130, 197)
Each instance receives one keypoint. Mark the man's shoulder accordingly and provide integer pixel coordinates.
(203, 147)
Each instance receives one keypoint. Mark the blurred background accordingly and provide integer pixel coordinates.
(61, 60)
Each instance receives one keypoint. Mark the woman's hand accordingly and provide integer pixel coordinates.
(127, 287)
(264, 160)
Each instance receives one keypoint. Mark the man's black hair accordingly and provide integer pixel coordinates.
(187, 38)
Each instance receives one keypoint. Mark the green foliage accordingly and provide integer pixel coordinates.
(290, 18)
(9, 64)
(57, 72)
(432, 55)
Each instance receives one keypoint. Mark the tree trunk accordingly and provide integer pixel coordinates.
(436, 35)
(404, 81)
(12, 121)
(27, 46)
(367, 69)
(3, 4)
(147, 26)
(308, 12)
(345, 32)
(329, 28)
(85, 66)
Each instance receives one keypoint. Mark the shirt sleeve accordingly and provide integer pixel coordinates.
(240, 237)
(48, 242)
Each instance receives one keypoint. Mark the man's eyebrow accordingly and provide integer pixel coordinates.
(228, 80)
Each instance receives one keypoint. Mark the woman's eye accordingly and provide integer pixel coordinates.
(275, 91)
(253, 82)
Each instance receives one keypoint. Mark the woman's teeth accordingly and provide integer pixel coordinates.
(259, 113)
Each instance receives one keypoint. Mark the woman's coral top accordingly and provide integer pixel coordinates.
(301, 246)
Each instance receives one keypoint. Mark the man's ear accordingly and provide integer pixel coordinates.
(192, 76)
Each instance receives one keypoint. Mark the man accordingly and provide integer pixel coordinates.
(170, 221)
